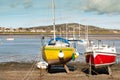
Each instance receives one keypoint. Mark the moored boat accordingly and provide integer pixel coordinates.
(58, 53)
(10, 39)
(101, 54)
(82, 42)
(58, 50)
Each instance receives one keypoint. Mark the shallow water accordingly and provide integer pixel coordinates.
(29, 49)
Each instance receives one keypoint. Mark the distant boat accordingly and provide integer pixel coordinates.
(73, 38)
(10, 39)
(58, 50)
(82, 42)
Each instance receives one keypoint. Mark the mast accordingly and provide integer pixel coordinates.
(86, 30)
(66, 31)
(53, 14)
(74, 33)
(79, 32)
(86, 35)
(60, 32)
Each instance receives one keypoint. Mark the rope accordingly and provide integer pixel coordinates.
(34, 64)
(26, 77)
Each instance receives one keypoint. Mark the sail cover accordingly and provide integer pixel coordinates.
(58, 39)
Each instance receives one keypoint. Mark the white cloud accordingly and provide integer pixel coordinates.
(101, 6)
(25, 3)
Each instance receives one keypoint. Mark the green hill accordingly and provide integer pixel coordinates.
(82, 30)
(60, 28)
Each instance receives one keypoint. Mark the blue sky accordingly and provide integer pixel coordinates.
(29, 13)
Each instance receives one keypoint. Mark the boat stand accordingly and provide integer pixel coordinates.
(49, 68)
(90, 67)
(109, 71)
(66, 68)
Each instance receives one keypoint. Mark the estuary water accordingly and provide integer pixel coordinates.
(27, 49)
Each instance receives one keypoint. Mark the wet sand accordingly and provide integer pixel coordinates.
(79, 71)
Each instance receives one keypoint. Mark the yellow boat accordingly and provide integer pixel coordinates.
(58, 50)
(58, 55)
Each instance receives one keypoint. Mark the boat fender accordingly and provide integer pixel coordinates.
(76, 54)
(42, 65)
(61, 54)
(73, 56)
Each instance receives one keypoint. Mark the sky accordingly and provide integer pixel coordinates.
(29, 13)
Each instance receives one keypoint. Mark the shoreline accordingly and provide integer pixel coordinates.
(91, 37)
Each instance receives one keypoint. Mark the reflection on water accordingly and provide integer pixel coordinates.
(29, 49)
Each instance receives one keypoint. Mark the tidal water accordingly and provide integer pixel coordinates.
(28, 49)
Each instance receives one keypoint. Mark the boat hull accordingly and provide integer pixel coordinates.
(10, 39)
(100, 58)
(50, 54)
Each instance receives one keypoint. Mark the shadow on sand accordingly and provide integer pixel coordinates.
(96, 71)
(59, 69)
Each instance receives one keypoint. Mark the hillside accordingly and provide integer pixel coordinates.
(70, 28)
(78, 28)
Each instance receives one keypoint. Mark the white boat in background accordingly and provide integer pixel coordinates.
(10, 39)
(83, 42)
(72, 39)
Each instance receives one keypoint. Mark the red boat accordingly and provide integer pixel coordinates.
(100, 55)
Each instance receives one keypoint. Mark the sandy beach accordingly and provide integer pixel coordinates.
(79, 71)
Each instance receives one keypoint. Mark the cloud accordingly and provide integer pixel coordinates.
(95, 6)
(24, 3)
(15, 4)
(101, 6)
(27, 3)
